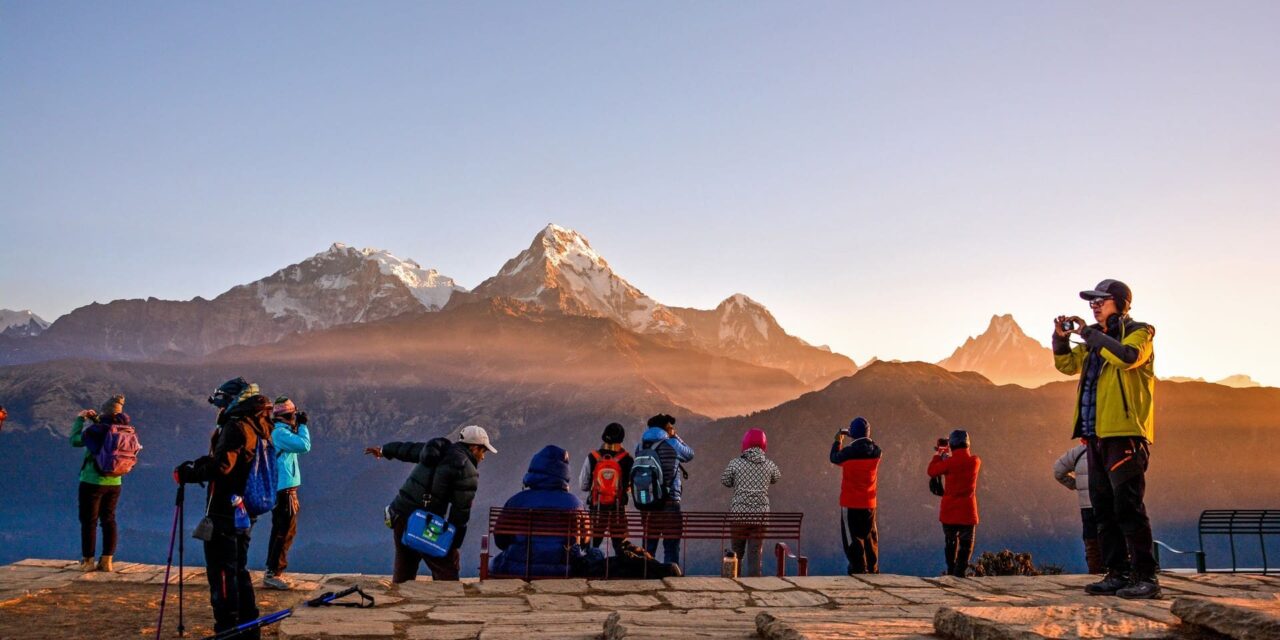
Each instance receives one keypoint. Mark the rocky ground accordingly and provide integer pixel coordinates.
(48, 599)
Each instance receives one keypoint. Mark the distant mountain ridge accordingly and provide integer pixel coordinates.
(1005, 355)
(1238, 381)
(21, 324)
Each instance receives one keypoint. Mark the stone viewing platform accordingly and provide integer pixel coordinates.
(45, 598)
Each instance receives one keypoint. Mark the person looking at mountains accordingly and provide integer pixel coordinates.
(606, 478)
(656, 483)
(291, 438)
(958, 511)
(749, 475)
(859, 463)
(444, 481)
(99, 488)
(1115, 415)
(243, 422)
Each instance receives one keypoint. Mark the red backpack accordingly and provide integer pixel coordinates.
(606, 481)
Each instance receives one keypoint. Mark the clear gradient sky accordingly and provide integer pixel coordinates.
(883, 176)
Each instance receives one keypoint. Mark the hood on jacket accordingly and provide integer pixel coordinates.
(654, 434)
(754, 455)
(549, 470)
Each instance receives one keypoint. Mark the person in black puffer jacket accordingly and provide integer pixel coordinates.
(443, 481)
(244, 417)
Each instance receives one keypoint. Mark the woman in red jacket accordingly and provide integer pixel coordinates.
(959, 510)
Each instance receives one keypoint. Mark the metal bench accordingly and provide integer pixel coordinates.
(1232, 523)
(692, 525)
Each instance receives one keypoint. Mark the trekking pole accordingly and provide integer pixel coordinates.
(164, 592)
(182, 555)
(324, 599)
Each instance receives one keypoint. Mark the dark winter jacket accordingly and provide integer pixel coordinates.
(859, 468)
(232, 446)
(546, 487)
(671, 452)
(444, 481)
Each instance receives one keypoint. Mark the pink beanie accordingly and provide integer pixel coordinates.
(283, 407)
(755, 438)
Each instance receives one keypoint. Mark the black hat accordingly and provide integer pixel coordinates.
(959, 439)
(661, 421)
(1113, 289)
(227, 393)
(613, 434)
(860, 428)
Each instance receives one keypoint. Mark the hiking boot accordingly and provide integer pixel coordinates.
(676, 571)
(87, 565)
(273, 581)
(1109, 585)
(104, 564)
(1141, 589)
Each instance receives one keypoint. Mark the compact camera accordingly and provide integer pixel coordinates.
(1069, 325)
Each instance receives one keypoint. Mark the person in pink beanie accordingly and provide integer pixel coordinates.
(750, 475)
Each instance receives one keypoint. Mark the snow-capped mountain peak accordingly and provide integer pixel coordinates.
(23, 324)
(744, 320)
(1005, 354)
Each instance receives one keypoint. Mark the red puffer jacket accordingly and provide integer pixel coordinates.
(960, 499)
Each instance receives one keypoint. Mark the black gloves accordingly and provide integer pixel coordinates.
(302, 417)
(182, 474)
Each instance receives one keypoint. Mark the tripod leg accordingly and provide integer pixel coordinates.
(182, 555)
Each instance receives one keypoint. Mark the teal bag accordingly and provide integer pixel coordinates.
(428, 534)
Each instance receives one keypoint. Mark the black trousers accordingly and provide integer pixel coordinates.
(666, 524)
(959, 547)
(611, 519)
(230, 586)
(1117, 489)
(98, 505)
(861, 540)
(284, 526)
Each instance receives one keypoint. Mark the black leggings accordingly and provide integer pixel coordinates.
(98, 504)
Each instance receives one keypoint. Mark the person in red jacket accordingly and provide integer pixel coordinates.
(859, 465)
(959, 510)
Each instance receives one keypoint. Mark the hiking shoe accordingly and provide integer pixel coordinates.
(274, 581)
(86, 565)
(1141, 589)
(104, 564)
(1109, 585)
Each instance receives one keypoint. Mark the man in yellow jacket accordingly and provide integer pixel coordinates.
(1115, 415)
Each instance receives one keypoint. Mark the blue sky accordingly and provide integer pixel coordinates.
(883, 176)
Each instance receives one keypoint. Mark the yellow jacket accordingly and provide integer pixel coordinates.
(1126, 382)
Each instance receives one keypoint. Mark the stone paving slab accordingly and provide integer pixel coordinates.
(788, 599)
(766, 583)
(553, 602)
(702, 584)
(704, 599)
(784, 626)
(724, 624)
(1065, 622)
(626, 586)
(1241, 619)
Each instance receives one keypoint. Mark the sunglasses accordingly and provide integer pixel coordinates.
(1098, 302)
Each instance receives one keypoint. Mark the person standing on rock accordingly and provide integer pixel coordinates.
(292, 438)
(1072, 471)
(1115, 415)
(662, 448)
(959, 509)
(99, 491)
(750, 475)
(444, 481)
(859, 463)
(244, 418)
(606, 478)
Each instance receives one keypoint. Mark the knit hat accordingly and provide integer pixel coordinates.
(613, 434)
(228, 392)
(959, 439)
(661, 421)
(283, 406)
(1113, 289)
(755, 438)
(859, 428)
(113, 406)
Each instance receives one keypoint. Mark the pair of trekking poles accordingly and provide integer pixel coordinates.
(179, 527)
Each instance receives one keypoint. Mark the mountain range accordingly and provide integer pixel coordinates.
(21, 324)
(1005, 355)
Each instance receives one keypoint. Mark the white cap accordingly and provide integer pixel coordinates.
(472, 434)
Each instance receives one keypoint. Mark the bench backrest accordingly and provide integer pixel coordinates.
(694, 525)
(1240, 521)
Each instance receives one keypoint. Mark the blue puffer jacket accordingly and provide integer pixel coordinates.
(546, 487)
(671, 452)
(288, 445)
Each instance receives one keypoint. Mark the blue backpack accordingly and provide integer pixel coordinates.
(646, 478)
(260, 489)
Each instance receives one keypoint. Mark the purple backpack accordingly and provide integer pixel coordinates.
(118, 451)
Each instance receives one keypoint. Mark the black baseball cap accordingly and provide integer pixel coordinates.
(1111, 289)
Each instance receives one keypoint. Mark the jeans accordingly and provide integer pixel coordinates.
(98, 505)
(230, 586)
(664, 523)
(959, 547)
(284, 526)
(749, 547)
(861, 540)
(407, 560)
(1117, 488)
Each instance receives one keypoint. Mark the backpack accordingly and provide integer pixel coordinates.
(606, 480)
(646, 479)
(119, 451)
(260, 487)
